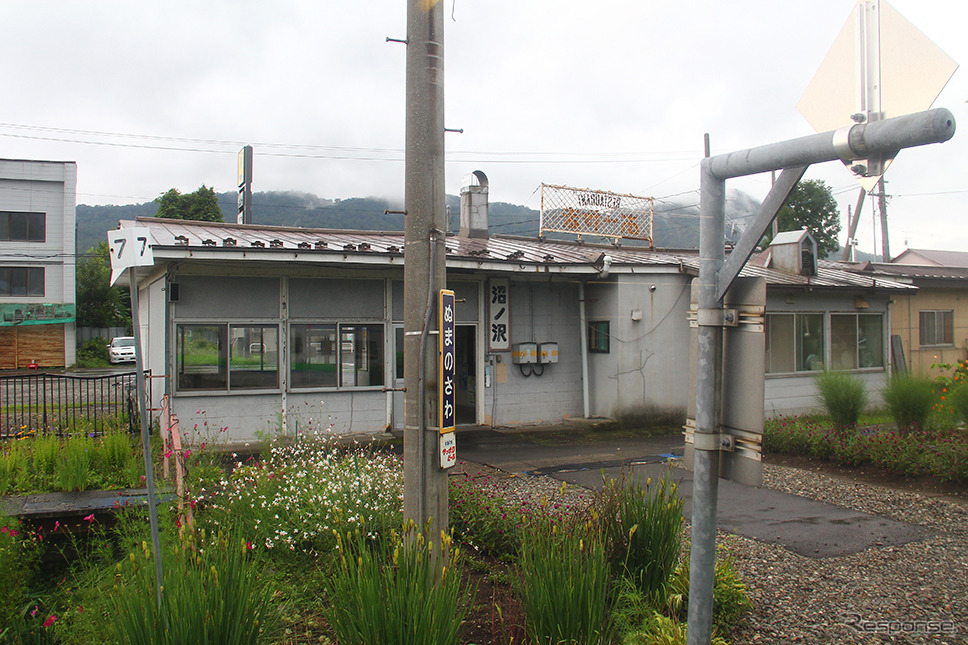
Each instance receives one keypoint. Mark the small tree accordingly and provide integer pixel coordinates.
(202, 205)
(811, 204)
(98, 303)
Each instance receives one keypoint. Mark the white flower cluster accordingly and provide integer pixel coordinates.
(297, 497)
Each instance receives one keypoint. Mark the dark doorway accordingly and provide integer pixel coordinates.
(466, 374)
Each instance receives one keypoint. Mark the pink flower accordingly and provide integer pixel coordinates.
(56, 525)
(89, 518)
(34, 612)
(4, 529)
(50, 621)
(187, 453)
(167, 454)
(248, 546)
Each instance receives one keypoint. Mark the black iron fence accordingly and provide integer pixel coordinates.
(44, 403)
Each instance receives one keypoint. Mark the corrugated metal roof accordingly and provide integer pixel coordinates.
(913, 271)
(500, 253)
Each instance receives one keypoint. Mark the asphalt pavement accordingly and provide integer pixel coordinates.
(805, 526)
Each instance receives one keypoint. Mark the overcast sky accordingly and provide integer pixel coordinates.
(612, 94)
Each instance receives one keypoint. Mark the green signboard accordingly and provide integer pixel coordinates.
(16, 314)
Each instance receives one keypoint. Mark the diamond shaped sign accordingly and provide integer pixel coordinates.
(880, 66)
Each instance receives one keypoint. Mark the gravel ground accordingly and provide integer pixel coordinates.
(916, 593)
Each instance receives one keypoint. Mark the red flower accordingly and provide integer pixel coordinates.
(50, 621)
(89, 518)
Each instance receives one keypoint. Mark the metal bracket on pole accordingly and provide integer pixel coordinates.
(713, 441)
(717, 318)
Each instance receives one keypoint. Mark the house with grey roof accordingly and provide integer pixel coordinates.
(256, 327)
(929, 324)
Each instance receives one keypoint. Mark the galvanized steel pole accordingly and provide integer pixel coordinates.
(856, 142)
(425, 484)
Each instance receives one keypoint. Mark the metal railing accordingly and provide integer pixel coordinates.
(55, 403)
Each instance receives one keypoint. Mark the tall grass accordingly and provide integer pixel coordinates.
(843, 396)
(642, 528)
(910, 399)
(13, 467)
(74, 463)
(564, 582)
(213, 595)
(45, 450)
(396, 589)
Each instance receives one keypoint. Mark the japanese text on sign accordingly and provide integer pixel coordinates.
(498, 308)
(448, 368)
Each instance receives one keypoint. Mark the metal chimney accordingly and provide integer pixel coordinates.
(473, 205)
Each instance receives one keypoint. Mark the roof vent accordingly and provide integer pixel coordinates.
(349, 247)
(794, 252)
(364, 246)
(181, 240)
(229, 241)
(473, 205)
(259, 244)
(304, 245)
(321, 244)
(208, 242)
(276, 244)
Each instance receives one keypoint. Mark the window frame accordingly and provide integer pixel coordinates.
(224, 358)
(858, 339)
(33, 280)
(34, 226)
(936, 319)
(341, 364)
(797, 347)
(599, 337)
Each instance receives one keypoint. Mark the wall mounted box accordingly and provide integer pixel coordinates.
(547, 353)
(524, 353)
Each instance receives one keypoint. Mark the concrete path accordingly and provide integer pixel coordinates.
(805, 526)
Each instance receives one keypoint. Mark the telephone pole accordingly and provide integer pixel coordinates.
(882, 206)
(425, 483)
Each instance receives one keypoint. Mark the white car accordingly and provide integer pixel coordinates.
(121, 350)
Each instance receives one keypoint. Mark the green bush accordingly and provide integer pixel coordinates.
(910, 398)
(400, 589)
(564, 581)
(18, 558)
(958, 399)
(93, 352)
(642, 529)
(480, 518)
(843, 396)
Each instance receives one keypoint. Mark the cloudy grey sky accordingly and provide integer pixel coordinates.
(612, 94)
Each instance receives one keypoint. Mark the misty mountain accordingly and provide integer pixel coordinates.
(675, 225)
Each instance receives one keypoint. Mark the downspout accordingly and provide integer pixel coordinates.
(583, 334)
(890, 345)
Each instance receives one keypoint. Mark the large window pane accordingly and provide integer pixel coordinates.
(870, 340)
(779, 343)
(314, 356)
(843, 341)
(254, 357)
(37, 227)
(201, 360)
(810, 342)
(361, 355)
(35, 281)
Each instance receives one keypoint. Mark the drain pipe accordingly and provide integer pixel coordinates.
(583, 334)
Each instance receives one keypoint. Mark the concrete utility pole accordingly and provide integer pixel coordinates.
(882, 207)
(425, 483)
(716, 274)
